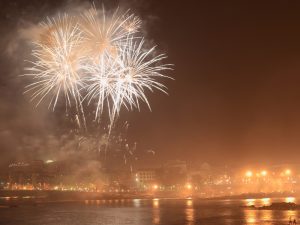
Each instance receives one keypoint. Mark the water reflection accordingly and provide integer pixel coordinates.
(184, 212)
(251, 216)
(290, 214)
(258, 216)
(155, 203)
(266, 215)
(189, 202)
(155, 211)
(189, 212)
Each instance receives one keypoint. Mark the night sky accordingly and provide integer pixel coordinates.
(235, 98)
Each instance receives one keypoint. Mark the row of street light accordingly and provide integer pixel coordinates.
(264, 173)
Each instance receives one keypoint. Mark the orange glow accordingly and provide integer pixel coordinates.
(264, 173)
(249, 173)
(266, 201)
(189, 186)
(250, 202)
(287, 172)
(290, 199)
(156, 202)
(189, 202)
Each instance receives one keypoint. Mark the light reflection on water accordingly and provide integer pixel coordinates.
(156, 212)
(251, 216)
(290, 214)
(266, 215)
(189, 212)
(148, 212)
(259, 216)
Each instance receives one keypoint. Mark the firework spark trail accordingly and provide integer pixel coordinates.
(106, 38)
(137, 71)
(99, 58)
(55, 67)
(104, 34)
(110, 145)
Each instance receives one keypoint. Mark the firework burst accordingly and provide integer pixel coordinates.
(55, 68)
(99, 58)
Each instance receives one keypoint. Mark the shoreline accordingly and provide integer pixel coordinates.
(56, 196)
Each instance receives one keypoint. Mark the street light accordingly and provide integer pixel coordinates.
(287, 172)
(249, 173)
(189, 186)
(264, 173)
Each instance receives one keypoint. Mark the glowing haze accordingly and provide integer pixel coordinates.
(99, 58)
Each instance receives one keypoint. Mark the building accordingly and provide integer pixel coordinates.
(145, 176)
(174, 174)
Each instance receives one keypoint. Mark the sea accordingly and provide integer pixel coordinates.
(155, 211)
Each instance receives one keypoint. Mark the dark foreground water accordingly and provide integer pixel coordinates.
(146, 212)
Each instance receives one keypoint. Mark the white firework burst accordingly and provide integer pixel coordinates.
(122, 81)
(56, 64)
(138, 71)
(97, 57)
(104, 33)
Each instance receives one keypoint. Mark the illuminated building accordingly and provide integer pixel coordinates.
(146, 175)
